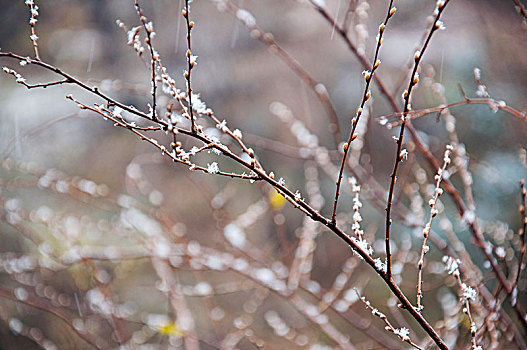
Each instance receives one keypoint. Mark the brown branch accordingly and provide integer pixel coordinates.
(411, 115)
(94, 90)
(521, 234)
(118, 122)
(399, 155)
(368, 75)
(426, 231)
(521, 9)
(447, 185)
(466, 295)
(32, 22)
(190, 25)
(153, 55)
(401, 333)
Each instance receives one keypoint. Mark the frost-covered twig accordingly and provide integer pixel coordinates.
(426, 231)
(521, 234)
(467, 294)
(403, 333)
(33, 8)
(439, 110)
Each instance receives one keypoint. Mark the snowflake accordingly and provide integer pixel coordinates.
(452, 265)
(222, 126)
(193, 60)
(198, 105)
(403, 154)
(117, 111)
(380, 265)
(365, 247)
(213, 168)
(469, 293)
(298, 196)
(402, 333)
(237, 133)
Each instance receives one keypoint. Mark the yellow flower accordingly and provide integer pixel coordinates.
(276, 200)
(170, 329)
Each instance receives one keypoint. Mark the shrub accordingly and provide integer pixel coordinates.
(137, 215)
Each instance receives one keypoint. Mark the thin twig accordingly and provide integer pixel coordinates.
(467, 294)
(400, 155)
(190, 25)
(426, 231)
(173, 155)
(21, 80)
(521, 8)
(402, 333)
(368, 75)
(33, 8)
(411, 115)
(149, 30)
(94, 90)
(521, 234)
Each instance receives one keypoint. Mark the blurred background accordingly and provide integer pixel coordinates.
(96, 224)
